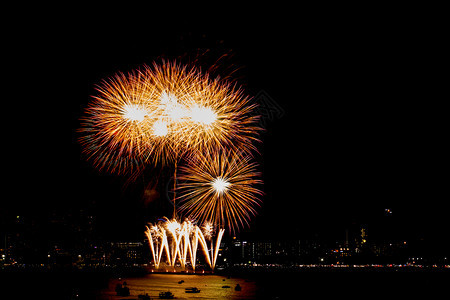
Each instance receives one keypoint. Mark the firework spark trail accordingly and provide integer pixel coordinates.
(216, 249)
(201, 238)
(220, 189)
(148, 233)
(185, 240)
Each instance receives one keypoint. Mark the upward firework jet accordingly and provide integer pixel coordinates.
(176, 241)
(220, 189)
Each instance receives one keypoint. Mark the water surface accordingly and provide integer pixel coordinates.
(210, 286)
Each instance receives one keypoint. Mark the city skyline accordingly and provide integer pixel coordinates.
(75, 239)
(356, 133)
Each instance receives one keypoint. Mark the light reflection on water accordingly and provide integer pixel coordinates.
(210, 287)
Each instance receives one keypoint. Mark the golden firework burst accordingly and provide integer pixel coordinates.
(159, 113)
(116, 127)
(220, 189)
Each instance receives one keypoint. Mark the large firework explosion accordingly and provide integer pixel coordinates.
(157, 114)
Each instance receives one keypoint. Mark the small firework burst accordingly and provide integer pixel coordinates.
(220, 189)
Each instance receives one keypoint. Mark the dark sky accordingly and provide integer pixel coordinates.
(362, 127)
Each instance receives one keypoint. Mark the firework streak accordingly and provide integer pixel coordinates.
(178, 242)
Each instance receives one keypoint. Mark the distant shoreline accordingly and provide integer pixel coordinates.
(235, 270)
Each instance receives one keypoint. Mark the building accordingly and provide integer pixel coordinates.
(274, 251)
(125, 253)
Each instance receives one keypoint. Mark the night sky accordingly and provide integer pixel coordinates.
(361, 125)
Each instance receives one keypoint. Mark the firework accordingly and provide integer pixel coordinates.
(220, 189)
(156, 115)
(168, 113)
(203, 113)
(119, 126)
(221, 118)
(177, 240)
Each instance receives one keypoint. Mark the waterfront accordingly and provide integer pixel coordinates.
(337, 284)
(348, 283)
(210, 286)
